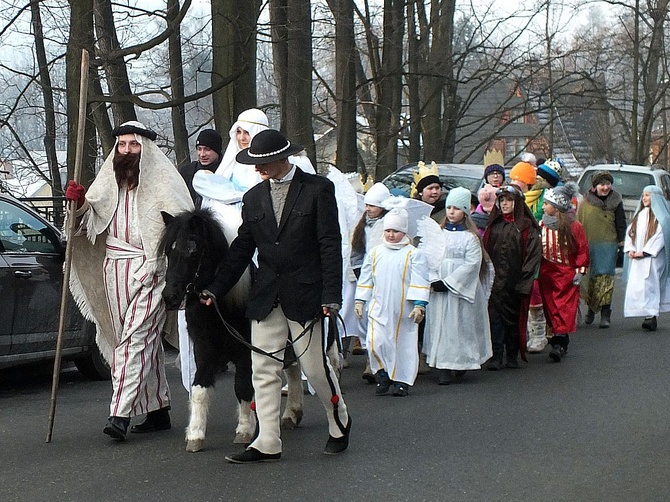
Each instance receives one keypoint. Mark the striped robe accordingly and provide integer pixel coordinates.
(137, 314)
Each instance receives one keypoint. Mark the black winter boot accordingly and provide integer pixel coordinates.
(157, 420)
(590, 316)
(495, 363)
(555, 354)
(445, 377)
(512, 358)
(383, 383)
(650, 323)
(605, 314)
(117, 427)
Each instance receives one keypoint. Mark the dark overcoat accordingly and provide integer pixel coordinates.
(299, 259)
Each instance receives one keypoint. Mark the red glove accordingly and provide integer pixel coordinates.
(75, 192)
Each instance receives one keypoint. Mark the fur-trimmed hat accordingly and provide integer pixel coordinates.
(267, 146)
(459, 198)
(523, 172)
(601, 177)
(561, 196)
(396, 219)
(211, 139)
(377, 194)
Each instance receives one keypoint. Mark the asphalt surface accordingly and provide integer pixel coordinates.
(594, 427)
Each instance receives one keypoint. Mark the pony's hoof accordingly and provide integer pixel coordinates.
(291, 422)
(242, 438)
(288, 423)
(194, 445)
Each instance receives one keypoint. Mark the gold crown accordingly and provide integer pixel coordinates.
(368, 183)
(421, 173)
(493, 157)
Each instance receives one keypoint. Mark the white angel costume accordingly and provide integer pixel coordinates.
(458, 334)
(392, 278)
(647, 293)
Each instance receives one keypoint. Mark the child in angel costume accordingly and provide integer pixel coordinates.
(458, 335)
(647, 259)
(395, 289)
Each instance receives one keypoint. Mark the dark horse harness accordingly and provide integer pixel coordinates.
(191, 290)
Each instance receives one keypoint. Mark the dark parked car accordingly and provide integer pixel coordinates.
(31, 276)
(469, 176)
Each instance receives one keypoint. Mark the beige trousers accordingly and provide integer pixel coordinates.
(270, 335)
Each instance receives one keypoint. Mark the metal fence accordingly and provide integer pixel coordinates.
(50, 208)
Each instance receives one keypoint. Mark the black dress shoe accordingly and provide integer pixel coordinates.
(117, 427)
(252, 456)
(338, 445)
(158, 420)
(445, 377)
(650, 324)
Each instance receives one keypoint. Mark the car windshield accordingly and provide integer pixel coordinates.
(401, 181)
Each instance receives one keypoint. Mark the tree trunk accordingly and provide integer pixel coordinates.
(81, 37)
(345, 84)
(234, 46)
(298, 85)
(413, 58)
(279, 31)
(658, 11)
(101, 117)
(390, 88)
(49, 111)
(438, 89)
(115, 68)
(177, 112)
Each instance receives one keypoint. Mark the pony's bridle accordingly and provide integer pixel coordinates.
(190, 287)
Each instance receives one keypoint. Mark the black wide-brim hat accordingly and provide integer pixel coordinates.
(267, 146)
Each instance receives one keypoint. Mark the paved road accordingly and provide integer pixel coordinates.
(593, 428)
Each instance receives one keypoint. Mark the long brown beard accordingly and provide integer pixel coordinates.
(127, 169)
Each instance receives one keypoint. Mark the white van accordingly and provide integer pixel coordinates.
(629, 180)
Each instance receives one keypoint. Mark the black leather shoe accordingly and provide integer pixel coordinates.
(117, 427)
(158, 420)
(445, 377)
(650, 324)
(338, 445)
(252, 456)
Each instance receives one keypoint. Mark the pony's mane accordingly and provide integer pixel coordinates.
(203, 222)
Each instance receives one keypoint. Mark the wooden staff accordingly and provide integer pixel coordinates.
(71, 221)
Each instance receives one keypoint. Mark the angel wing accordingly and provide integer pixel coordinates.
(347, 200)
(416, 211)
(432, 244)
